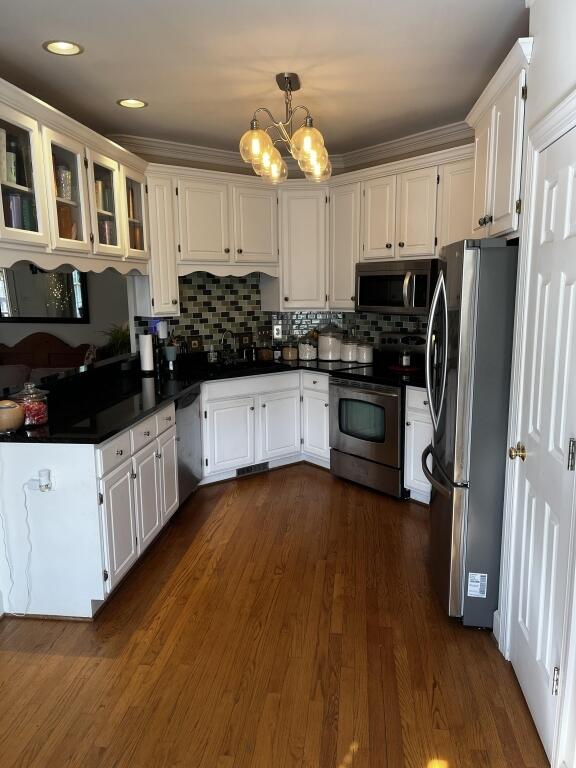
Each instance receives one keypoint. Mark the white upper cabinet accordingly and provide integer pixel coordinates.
(416, 212)
(104, 194)
(67, 192)
(204, 221)
(163, 298)
(303, 248)
(498, 122)
(255, 216)
(379, 219)
(134, 213)
(455, 201)
(344, 245)
(23, 216)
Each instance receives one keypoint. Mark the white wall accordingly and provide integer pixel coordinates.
(552, 73)
(108, 305)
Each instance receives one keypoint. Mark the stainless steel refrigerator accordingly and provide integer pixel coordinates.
(468, 362)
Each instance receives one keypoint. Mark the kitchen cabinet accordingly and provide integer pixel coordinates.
(379, 219)
(23, 213)
(167, 456)
(344, 250)
(279, 424)
(134, 213)
(255, 217)
(229, 437)
(204, 221)
(416, 212)
(119, 513)
(417, 436)
(104, 196)
(315, 424)
(498, 122)
(148, 494)
(455, 202)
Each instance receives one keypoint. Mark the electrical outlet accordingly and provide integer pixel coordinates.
(277, 331)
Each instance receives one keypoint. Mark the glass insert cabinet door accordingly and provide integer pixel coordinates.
(104, 187)
(23, 210)
(134, 187)
(67, 192)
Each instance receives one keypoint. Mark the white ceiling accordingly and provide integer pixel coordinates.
(371, 70)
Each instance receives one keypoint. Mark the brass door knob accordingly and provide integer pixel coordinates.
(519, 452)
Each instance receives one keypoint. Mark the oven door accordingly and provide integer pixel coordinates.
(365, 421)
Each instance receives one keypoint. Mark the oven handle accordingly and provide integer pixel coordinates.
(405, 287)
(429, 476)
(358, 391)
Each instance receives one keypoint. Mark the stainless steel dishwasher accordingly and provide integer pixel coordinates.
(189, 430)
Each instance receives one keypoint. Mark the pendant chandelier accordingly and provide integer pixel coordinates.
(304, 142)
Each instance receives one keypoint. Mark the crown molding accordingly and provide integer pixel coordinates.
(194, 156)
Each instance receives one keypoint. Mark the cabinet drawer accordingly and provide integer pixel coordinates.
(165, 419)
(113, 454)
(143, 433)
(317, 382)
(417, 400)
(250, 385)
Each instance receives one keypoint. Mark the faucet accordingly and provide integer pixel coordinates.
(223, 337)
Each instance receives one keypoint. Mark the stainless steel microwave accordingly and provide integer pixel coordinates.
(402, 286)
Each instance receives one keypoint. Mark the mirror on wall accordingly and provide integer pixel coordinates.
(33, 295)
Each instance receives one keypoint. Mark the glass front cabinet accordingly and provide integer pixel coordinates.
(23, 210)
(133, 185)
(105, 206)
(67, 192)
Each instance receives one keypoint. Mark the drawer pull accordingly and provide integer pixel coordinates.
(314, 381)
(147, 433)
(326, 405)
(133, 475)
(158, 455)
(425, 402)
(167, 418)
(408, 423)
(120, 452)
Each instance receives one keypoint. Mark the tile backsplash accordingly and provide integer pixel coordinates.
(209, 305)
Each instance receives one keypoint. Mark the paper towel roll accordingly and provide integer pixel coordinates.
(146, 352)
(162, 329)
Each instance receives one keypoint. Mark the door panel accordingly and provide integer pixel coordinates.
(148, 495)
(163, 274)
(315, 424)
(455, 202)
(255, 218)
(120, 521)
(379, 219)
(545, 486)
(168, 467)
(418, 436)
(482, 154)
(416, 212)
(344, 245)
(230, 434)
(204, 224)
(279, 424)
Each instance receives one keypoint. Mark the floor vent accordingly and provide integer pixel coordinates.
(252, 469)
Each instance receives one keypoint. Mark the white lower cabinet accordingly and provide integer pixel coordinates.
(168, 463)
(119, 506)
(148, 489)
(417, 437)
(229, 437)
(279, 424)
(315, 424)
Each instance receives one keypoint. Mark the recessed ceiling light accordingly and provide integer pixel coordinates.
(62, 47)
(132, 103)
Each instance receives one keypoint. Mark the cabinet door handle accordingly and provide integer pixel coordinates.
(251, 407)
(286, 298)
(174, 301)
(238, 250)
(401, 244)
(119, 452)
(352, 298)
(488, 219)
(147, 433)
(314, 381)
(425, 402)
(226, 250)
(326, 405)
(168, 418)
(388, 245)
(408, 423)
(482, 221)
(263, 405)
(133, 475)
(158, 455)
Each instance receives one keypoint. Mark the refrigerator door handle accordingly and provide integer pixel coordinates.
(430, 477)
(440, 288)
(405, 288)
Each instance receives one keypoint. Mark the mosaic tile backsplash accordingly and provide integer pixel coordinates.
(209, 305)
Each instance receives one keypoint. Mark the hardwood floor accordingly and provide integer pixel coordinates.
(283, 620)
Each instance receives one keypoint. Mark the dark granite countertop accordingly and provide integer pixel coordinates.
(92, 409)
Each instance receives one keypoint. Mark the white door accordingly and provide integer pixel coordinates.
(379, 219)
(168, 467)
(134, 213)
(508, 127)
(104, 195)
(482, 155)
(279, 431)
(229, 435)
(255, 212)
(455, 202)
(416, 212)
(544, 508)
(344, 245)
(315, 424)
(163, 272)
(148, 495)
(120, 521)
(303, 244)
(204, 221)
(418, 436)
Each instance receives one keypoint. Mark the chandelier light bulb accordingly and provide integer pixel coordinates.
(306, 140)
(316, 159)
(278, 172)
(253, 143)
(269, 156)
(320, 174)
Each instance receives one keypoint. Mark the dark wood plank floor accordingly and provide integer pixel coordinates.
(282, 620)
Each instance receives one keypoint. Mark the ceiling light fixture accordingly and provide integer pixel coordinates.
(132, 103)
(63, 47)
(305, 143)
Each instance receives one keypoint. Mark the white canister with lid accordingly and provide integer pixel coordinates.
(329, 343)
(365, 353)
(349, 351)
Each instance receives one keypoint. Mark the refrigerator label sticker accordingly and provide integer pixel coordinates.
(477, 583)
